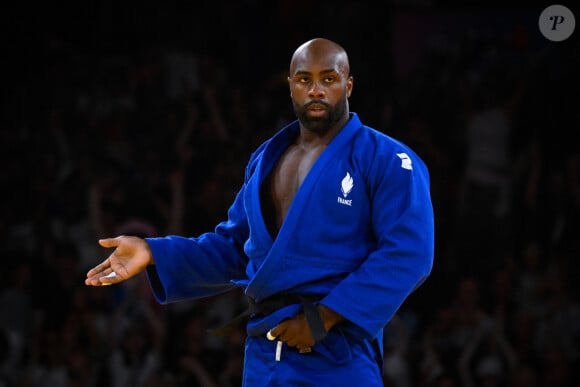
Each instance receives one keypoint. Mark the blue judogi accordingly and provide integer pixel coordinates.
(360, 231)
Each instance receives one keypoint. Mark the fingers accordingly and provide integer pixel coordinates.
(106, 280)
(294, 332)
(102, 275)
(270, 336)
(99, 269)
(94, 281)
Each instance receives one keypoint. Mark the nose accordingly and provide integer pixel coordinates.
(317, 90)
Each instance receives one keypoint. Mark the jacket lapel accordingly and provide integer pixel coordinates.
(262, 273)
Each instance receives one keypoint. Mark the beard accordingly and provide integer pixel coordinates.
(320, 124)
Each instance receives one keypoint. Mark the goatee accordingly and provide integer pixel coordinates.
(321, 124)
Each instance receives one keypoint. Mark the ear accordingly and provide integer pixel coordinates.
(349, 85)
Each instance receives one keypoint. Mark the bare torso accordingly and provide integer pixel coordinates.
(283, 182)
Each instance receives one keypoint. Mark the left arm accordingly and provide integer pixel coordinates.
(403, 224)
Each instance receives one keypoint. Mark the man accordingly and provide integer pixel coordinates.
(330, 232)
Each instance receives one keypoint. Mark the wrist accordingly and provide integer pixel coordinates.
(329, 317)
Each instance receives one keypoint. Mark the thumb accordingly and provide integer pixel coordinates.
(109, 242)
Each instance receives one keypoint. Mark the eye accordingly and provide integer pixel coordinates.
(329, 79)
(304, 79)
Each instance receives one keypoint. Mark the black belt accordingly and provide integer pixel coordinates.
(272, 304)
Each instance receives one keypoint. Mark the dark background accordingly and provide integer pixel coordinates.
(139, 118)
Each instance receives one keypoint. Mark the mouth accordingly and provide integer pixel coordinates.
(316, 109)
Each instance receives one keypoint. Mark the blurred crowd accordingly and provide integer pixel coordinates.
(152, 139)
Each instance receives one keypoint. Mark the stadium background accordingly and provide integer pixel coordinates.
(139, 117)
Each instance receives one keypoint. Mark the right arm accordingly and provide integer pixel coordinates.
(180, 267)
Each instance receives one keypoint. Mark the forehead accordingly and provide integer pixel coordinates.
(319, 61)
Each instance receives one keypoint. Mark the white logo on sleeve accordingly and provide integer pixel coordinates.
(405, 161)
(346, 186)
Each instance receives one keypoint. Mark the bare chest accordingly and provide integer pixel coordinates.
(284, 181)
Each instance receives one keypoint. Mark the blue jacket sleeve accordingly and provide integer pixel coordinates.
(403, 223)
(202, 266)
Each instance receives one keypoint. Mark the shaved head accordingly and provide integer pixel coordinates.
(317, 49)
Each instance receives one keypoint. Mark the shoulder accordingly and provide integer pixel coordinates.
(379, 148)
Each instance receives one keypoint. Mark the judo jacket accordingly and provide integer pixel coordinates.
(360, 232)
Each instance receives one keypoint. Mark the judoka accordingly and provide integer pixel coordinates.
(330, 232)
